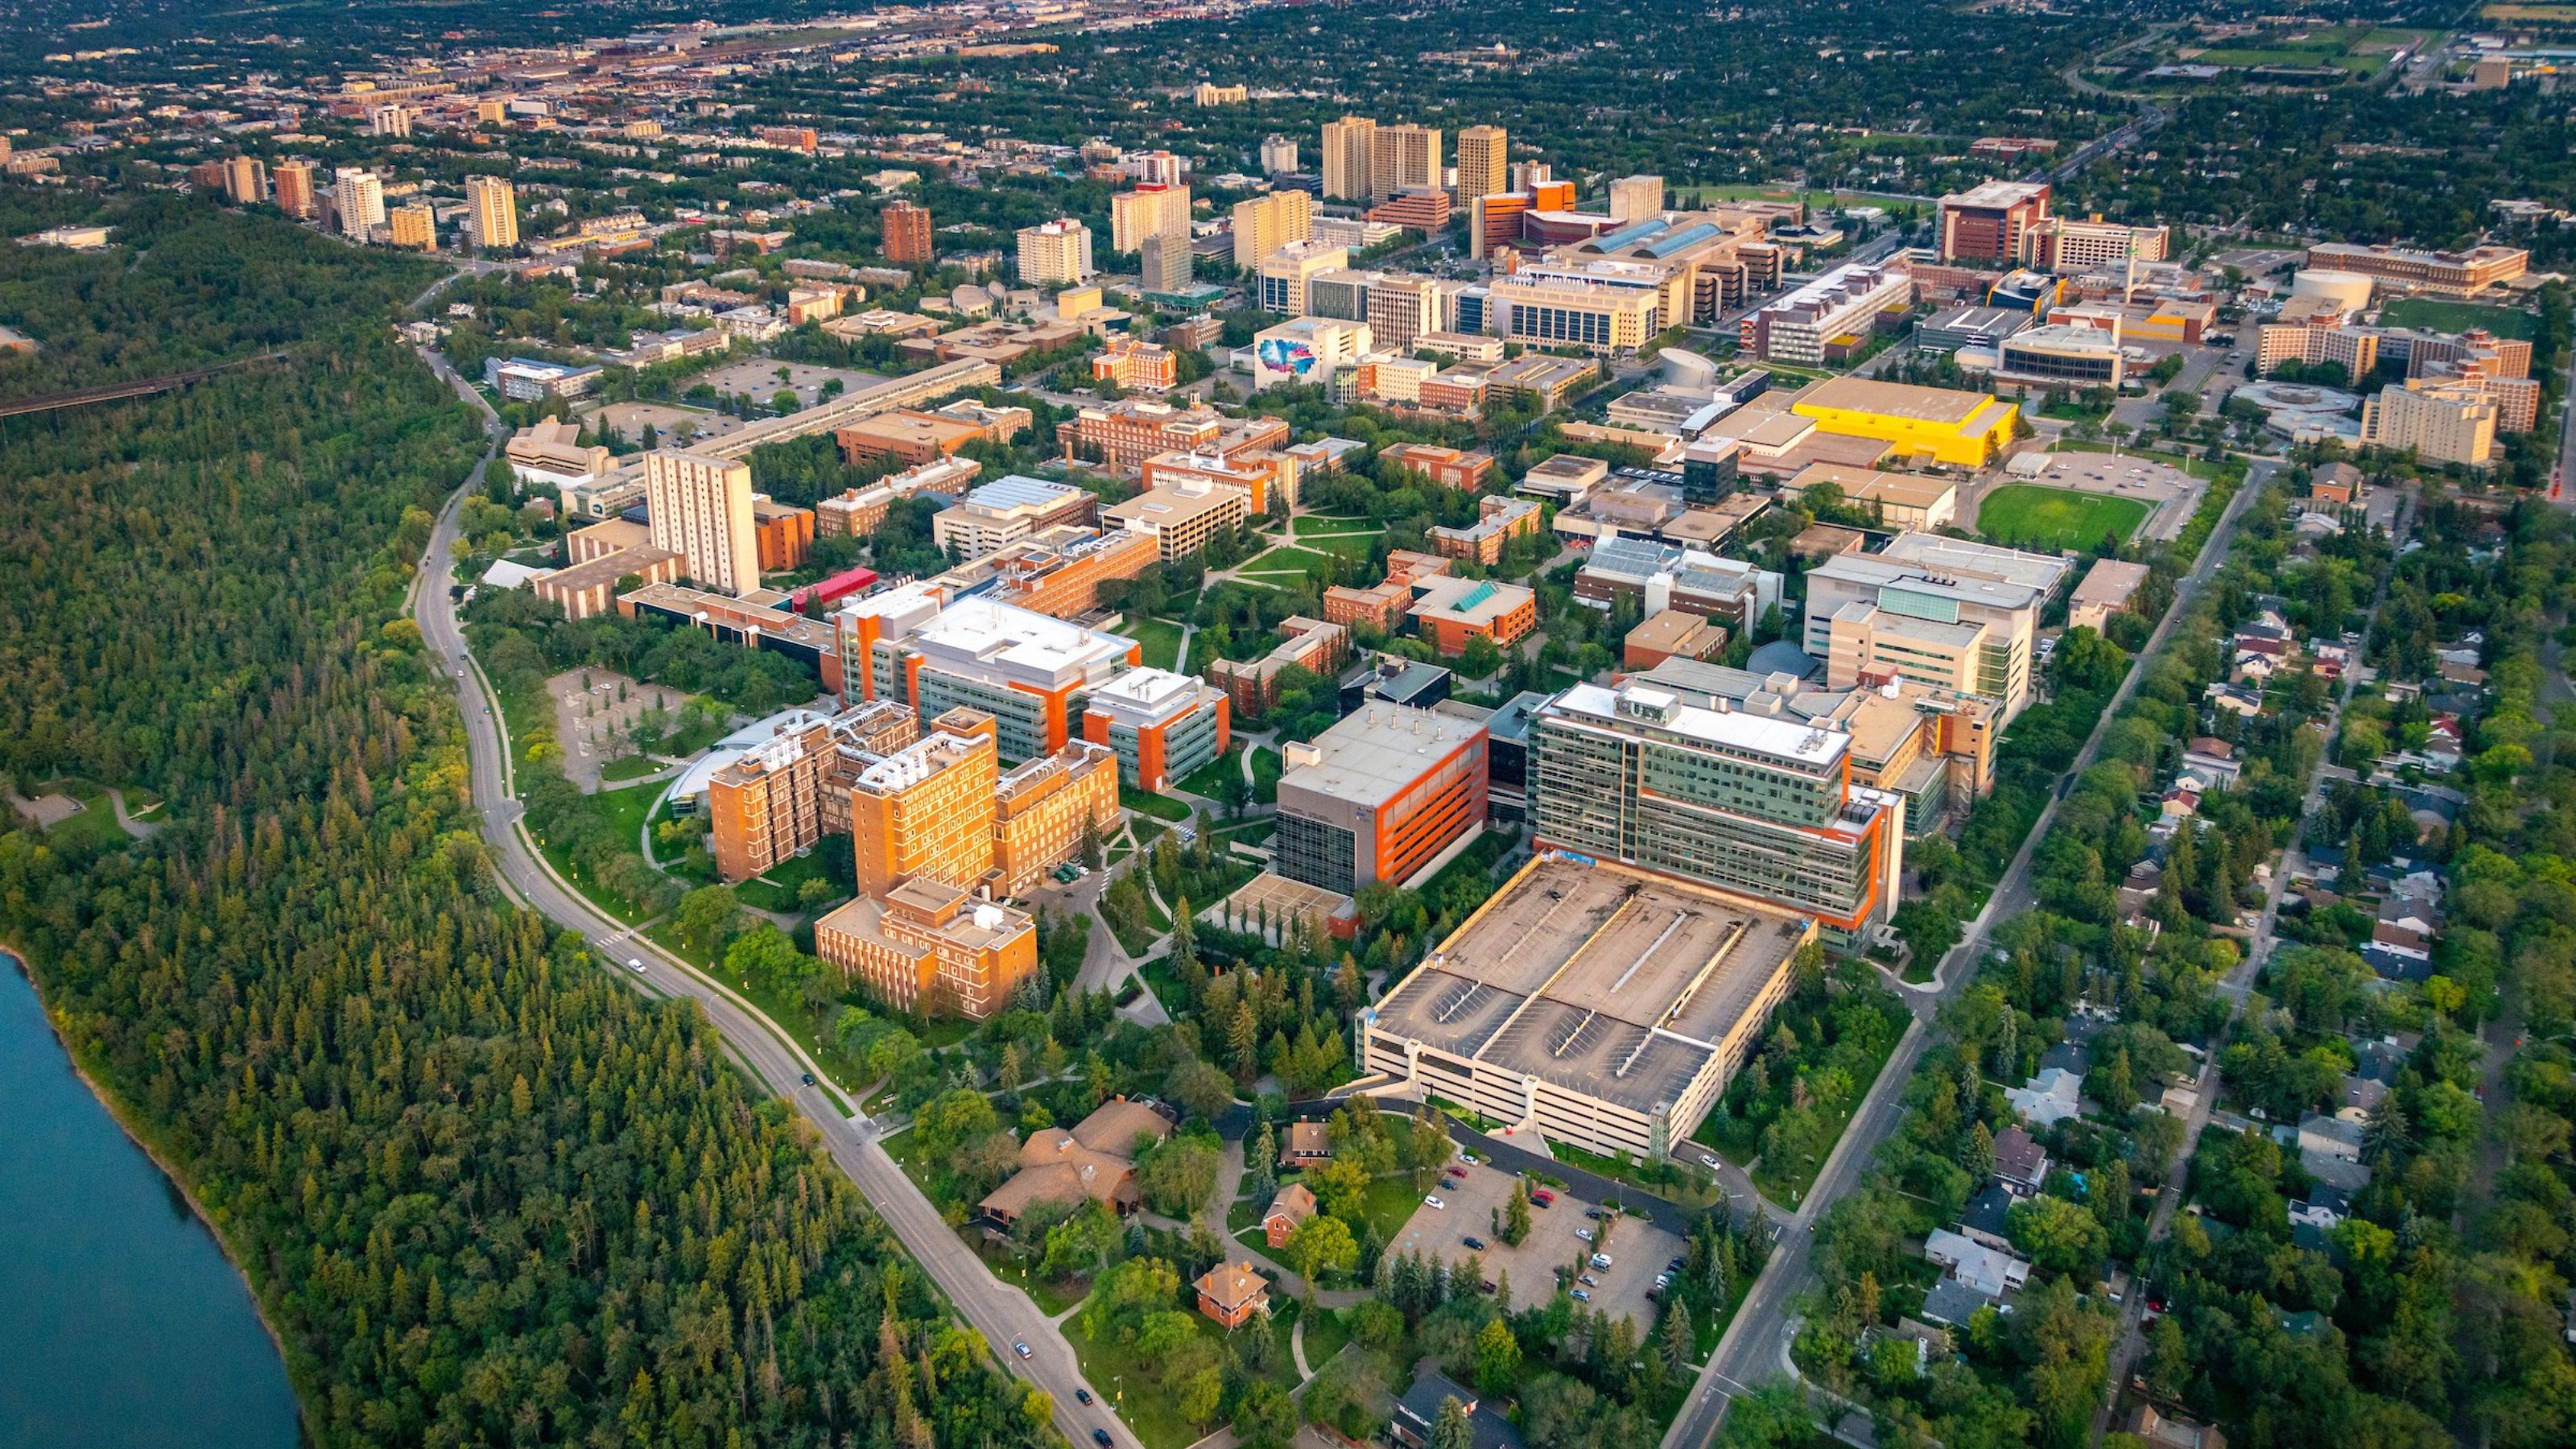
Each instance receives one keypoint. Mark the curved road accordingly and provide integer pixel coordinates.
(1756, 1342)
(1004, 1315)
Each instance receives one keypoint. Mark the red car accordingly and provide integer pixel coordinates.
(1459, 1173)
(1543, 1198)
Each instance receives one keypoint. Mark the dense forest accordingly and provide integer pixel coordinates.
(485, 1192)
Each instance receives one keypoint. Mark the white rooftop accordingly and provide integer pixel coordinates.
(1811, 747)
(1146, 695)
(1017, 639)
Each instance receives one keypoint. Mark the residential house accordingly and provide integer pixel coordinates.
(1096, 1159)
(2330, 1150)
(1294, 1204)
(2048, 1098)
(2162, 1432)
(2021, 1163)
(1982, 1220)
(1232, 1294)
(1305, 1144)
(1419, 1410)
(1990, 1271)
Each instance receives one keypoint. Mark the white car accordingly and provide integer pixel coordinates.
(635, 963)
(1584, 1233)
(1022, 1349)
(1434, 1201)
(1601, 1260)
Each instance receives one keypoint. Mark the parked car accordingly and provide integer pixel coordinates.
(1434, 1201)
(1469, 1158)
(1592, 1212)
(1587, 1280)
(1543, 1198)
(1458, 1172)
(1601, 1260)
(1582, 1296)
(1476, 1243)
(1584, 1233)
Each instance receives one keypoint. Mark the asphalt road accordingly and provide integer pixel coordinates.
(1004, 1315)
(1755, 1344)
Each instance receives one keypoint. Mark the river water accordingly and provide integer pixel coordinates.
(121, 1321)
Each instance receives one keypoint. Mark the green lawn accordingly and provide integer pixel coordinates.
(1161, 639)
(93, 828)
(1325, 1336)
(1119, 1376)
(1267, 767)
(632, 767)
(2025, 515)
(1208, 779)
(1348, 545)
(2507, 322)
(1158, 805)
(1287, 559)
(624, 810)
(776, 891)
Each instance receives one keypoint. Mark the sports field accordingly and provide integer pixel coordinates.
(2054, 520)
(2441, 316)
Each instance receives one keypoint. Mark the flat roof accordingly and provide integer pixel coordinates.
(2111, 581)
(1167, 506)
(1147, 695)
(1869, 484)
(1375, 753)
(1015, 490)
(1596, 978)
(1894, 399)
(1805, 744)
(985, 630)
(1939, 551)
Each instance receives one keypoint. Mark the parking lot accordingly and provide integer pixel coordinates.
(1638, 1249)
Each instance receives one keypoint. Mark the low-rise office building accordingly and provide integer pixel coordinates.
(1121, 436)
(1183, 516)
(1657, 577)
(1007, 510)
(1377, 796)
(1898, 500)
(1451, 612)
(1252, 686)
(1058, 572)
(1162, 726)
(1601, 1006)
(1498, 522)
(2108, 588)
(1942, 612)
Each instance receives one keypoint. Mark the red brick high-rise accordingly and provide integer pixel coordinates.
(907, 232)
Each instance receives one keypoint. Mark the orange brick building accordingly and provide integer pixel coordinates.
(1252, 686)
(1448, 467)
(783, 534)
(1136, 365)
(1122, 435)
(931, 946)
(1385, 604)
(1498, 522)
(1233, 1295)
(1261, 473)
(788, 793)
(1058, 573)
(1451, 612)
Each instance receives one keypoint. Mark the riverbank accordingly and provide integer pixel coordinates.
(176, 1183)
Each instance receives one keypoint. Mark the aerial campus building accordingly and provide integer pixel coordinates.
(1597, 1004)
(1021, 667)
(1760, 806)
(1378, 796)
(1940, 612)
